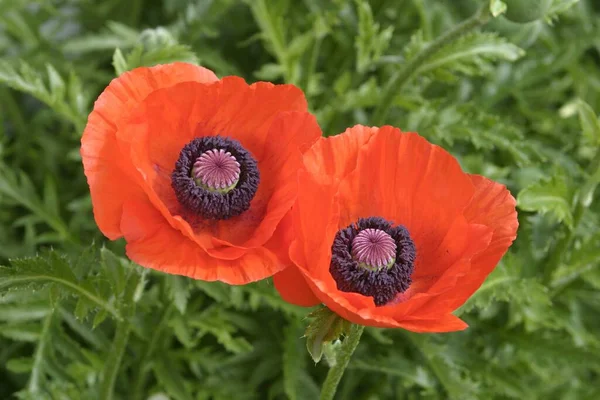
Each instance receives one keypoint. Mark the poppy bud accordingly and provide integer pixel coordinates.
(523, 11)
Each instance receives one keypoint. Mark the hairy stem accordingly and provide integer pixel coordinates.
(142, 373)
(34, 385)
(337, 371)
(410, 69)
(111, 367)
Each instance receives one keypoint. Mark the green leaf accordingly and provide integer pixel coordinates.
(20, 365)
(179, 290)
(548, 196)
(17, 186)
(171, 379)
(371, 41)
(114, 269)
(115, 35)
(155, 46)
(213, 322)
(26, 78)
(23, 312)
(589, 121)
(22, 331)
(325, 326)
(119, 63)
(557, 8)
(52, 269)
(472, 54)
(507, 284)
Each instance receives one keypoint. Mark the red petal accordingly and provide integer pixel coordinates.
(153, 243)
(405, 179)
(444, 323)
(110, 175)
(495, 207)
(292, 286)
(170, 118)
(337, 156)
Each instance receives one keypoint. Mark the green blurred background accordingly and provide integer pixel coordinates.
(514, 102)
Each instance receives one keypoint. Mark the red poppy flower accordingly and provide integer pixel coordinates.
(196, 173)
(390, 232)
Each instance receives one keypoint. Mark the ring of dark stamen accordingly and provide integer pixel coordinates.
(209, 204)
(383, 285)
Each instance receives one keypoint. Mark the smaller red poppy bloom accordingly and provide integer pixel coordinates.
(390, 232)
(196, 172)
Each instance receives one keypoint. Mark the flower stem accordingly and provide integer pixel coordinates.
(34, 384)
(410, 69)
(111, 367)
(345, 353)
(141, 375)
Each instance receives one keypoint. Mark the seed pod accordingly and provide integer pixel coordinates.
(523, 11)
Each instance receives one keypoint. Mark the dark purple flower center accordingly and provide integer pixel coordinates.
(215, 177)
(373, 258)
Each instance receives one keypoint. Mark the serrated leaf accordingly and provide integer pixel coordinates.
(472, 54)
(183, 332)
(179, 291)
(269, 72)
(371, 41)
(119, 63)
(582, 260)
(557, 8)
(213, 322)
(115, 35)
(325, 327)
(19, 365)
(506, 284)
(548, 196)
(113, 267)
(99, 318)
(51, 269)
(26, 78)
(171, 379)
(82, 308)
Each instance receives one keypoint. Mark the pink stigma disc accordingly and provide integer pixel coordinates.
(216, 169)
(374, 248)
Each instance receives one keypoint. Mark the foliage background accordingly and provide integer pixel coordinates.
(513, 102)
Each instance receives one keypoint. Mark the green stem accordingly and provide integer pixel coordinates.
(345, 353)
(111, 367)
(142, 372)
(411, 68)
(312, 63)
(33, 386)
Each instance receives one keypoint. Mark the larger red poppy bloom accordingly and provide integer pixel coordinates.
(196, 173)
(390, 232)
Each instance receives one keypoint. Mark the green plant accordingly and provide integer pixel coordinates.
(517, 103)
